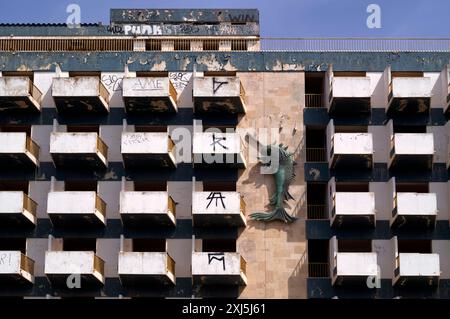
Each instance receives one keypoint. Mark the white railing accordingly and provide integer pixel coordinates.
(356, 44)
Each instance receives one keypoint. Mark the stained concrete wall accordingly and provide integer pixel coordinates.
(275, 252)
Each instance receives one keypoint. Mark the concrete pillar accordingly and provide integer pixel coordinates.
(139, 45)
(253, 45)
(225, 45)
(167, 45)
(196, 45)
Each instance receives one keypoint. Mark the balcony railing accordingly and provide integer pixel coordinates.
(170, 264)
(317, 211)
(243, 265)
(172, 206)
(104, 93)
(99, 264)
(241, 91)
(242, 205)
(172, 91)
(316, 154)
(27, 264)
(171, 145)
(318, 270)
(313, 100)
(100, 205)
(29, 205)
(35, 92)
(32, 147)
(102, 147)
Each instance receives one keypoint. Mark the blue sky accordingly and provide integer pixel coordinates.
(282, 18)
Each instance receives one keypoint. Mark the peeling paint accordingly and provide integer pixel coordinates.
(215, 61)
(161, 66)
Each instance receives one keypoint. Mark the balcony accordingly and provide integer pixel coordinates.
(414, 210)
(218, 149)
(147, 209)
(148, 149)
(18, 93)
(218, 268)
(17, 209)
(415, 268)
(149, 94)
(76, 209)
(353, 209)
(218, 209)
(354, 268)
(78, 150)
(80, 95)
(411, 150)
(61, 264)
(18, 150)
(219, 95)
(15, 269)
(409, 95)
(351, 150)
(146, 268)
(350, 95)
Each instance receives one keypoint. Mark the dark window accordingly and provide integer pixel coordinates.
(79, 244)
(219, 73)
(410, 129)
(219, 245)
(153, 45)
(149, 245)
(412, 187)
(80, 186)
(239, 45)
(402, 74)
(182, 45)
(354, 246)
(314, 82)
(318, 251)
(351, 129)
(13, 244)
(16, 129)
(422, 246)
(147, 74)
(219, 186)
(150, 186)
(350, 73)
(84, 73)
(83, 129)
(210, 45)
(150, 128)
(352, 187)
(14, 186)
(315, 137)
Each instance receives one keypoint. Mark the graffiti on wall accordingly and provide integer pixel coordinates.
(220, 257)
(217, 196)
(180, 80)
(112, 82)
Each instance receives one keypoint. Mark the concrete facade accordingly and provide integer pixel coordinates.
(119, 132)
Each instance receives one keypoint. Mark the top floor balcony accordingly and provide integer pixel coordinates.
(219, 94)
(18, 93)
(149, 94)
(80, 95)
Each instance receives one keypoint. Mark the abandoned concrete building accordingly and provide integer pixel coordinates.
(108, 190)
